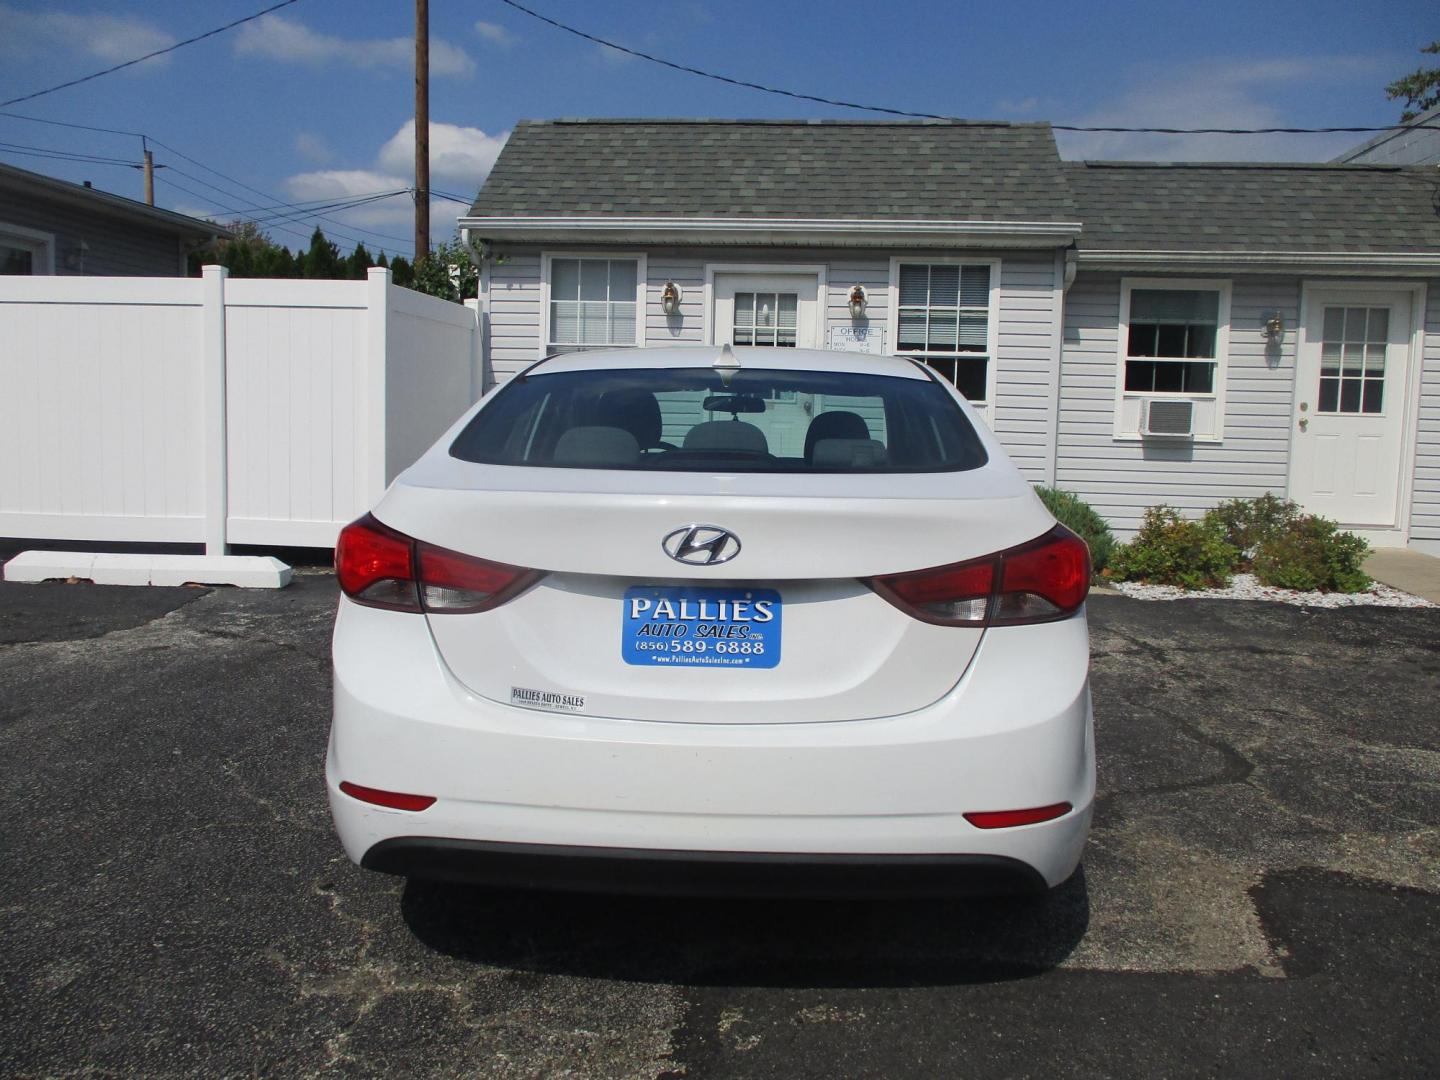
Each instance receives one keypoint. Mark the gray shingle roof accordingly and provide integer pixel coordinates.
(779, 169)
(1147, 206)
(13, 178)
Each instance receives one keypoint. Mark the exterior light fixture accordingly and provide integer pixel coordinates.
(858, 300)
(1274, 328)
(670, 298)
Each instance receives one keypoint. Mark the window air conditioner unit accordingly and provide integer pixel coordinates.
(1167, 418)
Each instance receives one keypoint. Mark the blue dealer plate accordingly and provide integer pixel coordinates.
(682, 625)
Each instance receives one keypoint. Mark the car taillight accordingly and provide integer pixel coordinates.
(1040, 581)
(380, 567)
(376, 565)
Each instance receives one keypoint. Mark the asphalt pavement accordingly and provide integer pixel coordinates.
(1261, 894)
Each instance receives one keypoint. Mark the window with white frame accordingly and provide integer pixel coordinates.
(1172, 343)
(944, 318)
(25, 251)
(593, 304)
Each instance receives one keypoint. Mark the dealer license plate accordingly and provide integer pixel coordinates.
(683, 625)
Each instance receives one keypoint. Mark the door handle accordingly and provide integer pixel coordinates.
(1304, 423)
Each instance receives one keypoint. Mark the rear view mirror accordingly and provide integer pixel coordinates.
(734, 403)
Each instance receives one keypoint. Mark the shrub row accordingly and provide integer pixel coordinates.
(1268, 536)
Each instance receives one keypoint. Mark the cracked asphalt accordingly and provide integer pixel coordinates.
(1261, 894)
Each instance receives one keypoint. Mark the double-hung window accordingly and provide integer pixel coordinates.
(24, 251)
(945, 317)
(594, 304)
(1172, 344)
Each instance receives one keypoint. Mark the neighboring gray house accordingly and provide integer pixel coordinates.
(1136, 333)
(1417, 145)
(50, 226)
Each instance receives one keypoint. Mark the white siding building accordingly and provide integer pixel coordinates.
(1137, 333)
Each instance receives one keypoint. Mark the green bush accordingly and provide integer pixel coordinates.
(1248, 522)
(1077, 515)
(1312, 553)
(1172, 550)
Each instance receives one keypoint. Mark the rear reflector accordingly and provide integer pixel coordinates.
(394, 800)
(380, 567)
(1045, 579)
(1008, 819)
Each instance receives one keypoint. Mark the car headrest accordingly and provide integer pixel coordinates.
(727, 435)
(834, 425)
(636, 411)
(596, 446)
(848, 454)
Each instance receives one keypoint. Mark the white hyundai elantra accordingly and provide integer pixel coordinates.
(695, 620)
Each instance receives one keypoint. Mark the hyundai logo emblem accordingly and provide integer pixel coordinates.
(701, 545)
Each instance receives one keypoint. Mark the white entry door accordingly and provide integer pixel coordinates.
(780, 311)
(1352, 371)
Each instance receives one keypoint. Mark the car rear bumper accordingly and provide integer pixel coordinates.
(700, 873)
(704, 803)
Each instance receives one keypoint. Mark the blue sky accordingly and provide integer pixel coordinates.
(314, 102)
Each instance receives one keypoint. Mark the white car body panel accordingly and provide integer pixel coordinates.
(876, 733)
(890, 785)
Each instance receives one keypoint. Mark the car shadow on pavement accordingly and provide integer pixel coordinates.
(745, 942)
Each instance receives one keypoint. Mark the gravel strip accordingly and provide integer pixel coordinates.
(1246, 587)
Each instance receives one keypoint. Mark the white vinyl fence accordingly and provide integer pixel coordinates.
(217, 411)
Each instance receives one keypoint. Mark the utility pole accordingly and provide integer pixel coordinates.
(422, 129)
(149, 177)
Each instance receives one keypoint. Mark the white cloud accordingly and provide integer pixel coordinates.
(460, 159)
(342, 183)
(461, 156)
(313, 147)
(274, 37)
(494, 33)
(113, 38)
(1232, 94)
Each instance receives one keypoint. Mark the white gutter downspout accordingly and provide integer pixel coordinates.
(483, 377)
(1066, 264)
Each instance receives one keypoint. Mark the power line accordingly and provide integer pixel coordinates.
(229, 179)
(270, 197)
(66, 155)
(262, 215)
(297, 211)
(190, 191)
(888, 111)
(149, 55)
(67, 124)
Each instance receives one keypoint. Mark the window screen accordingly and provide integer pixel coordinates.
(944, 317)
(592, 303)
(1172, 341)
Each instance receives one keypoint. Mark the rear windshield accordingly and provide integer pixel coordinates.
(691, 420)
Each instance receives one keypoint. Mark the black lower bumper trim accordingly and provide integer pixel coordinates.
(640, 871)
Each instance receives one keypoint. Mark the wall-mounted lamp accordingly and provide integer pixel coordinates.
(858, 300)
(1274, 328)
(670, 298)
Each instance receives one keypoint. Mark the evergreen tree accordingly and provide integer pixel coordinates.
(359, 262)
(323, 258)
(382, 262)
(403, 272)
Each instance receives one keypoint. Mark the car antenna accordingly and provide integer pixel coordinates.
(727, 364)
